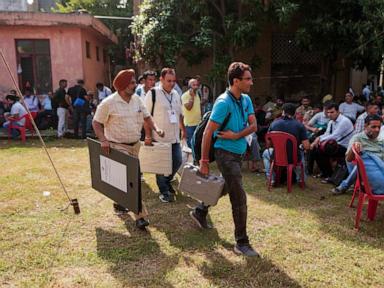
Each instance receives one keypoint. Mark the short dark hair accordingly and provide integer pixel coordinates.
(12, 97)
(289, 108)
(99, 84)
(80, 81)
(236, 70)
(62, 80)
(306, 97)
(166, 71)
(318, 106)
(370, 103)
(330, 105)
(370, 118)
(148, 73)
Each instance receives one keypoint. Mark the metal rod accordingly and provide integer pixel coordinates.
(34, 125)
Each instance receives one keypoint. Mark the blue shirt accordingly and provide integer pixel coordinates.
(291, 126)
(238, 121)
(47, 103)
(139, 90)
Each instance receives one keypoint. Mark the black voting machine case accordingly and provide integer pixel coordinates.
(131, 199)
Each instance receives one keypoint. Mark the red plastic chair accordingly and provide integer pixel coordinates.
(355, 190)
(279, 142)
(22, 129)
(365, 192)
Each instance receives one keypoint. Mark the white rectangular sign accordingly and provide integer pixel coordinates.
(113, 173)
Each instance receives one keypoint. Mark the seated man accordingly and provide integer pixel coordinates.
(303, 108)
(287, 123)
(310, 113)
(371, 108)
(316, 126)
(349, 108)
(369, 141)
(17, 110)
(274, 110)
(339, 129)
(46, 110)
(31, 101)
(318, 122)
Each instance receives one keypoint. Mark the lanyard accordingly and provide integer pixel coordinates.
(240, 104)
(166, 97)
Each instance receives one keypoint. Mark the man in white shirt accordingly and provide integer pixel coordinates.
(340, 129)
(17, 111)
(349, 108)
(167, 113)
(31, 101)
(102, 91)
(118, 122)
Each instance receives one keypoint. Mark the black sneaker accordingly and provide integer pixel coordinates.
(141, 223)
(200, 220)
(338, 191)
(245, 250)
(119, 209)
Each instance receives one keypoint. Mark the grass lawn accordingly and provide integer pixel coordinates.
(306, 238)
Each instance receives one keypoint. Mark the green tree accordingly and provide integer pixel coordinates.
(194, 29)
(106, 8)
(348, 29)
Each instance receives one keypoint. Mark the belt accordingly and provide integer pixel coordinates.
(129, 144)
(231, 153)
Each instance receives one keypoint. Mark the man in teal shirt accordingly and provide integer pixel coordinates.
(229, 148)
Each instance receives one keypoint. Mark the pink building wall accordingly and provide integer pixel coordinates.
(65, 47)
(67, 34)
(94, 71)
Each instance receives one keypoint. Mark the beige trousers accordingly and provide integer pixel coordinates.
(134, 152)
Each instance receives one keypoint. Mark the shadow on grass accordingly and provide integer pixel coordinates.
(173, 250)
(138, 260)
(336, 218)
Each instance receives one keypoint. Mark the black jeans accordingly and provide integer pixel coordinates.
(229, 165)
(324, 161)
(80, 117)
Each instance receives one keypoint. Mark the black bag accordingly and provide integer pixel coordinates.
(340, 173)
(197, 138)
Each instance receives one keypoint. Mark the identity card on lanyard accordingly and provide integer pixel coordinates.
(172, 116)
(171, 112)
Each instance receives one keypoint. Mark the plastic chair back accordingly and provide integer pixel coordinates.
(362, 177)
(281, 142)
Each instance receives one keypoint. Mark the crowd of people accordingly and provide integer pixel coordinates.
(53, 110)
(147, 109)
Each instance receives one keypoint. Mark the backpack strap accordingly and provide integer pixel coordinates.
(225, 122)
(153, 91)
